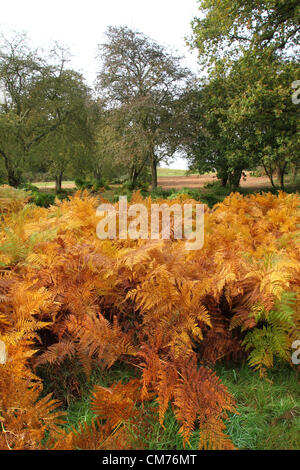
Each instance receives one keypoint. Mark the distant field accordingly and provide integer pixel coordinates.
(169, 178)
(161, 172)
(51, 184)
(198, 181)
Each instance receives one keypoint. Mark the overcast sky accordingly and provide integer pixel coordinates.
(80, 25)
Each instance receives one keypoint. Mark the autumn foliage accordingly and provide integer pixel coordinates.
(170, 313)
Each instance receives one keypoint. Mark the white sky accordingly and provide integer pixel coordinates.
(80, 25)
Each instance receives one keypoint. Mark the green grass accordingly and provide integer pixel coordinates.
(269, 408)
(51, 184)
(161, 172)
(268, 419)
(108, 195)
(80, 410)
(167, 172)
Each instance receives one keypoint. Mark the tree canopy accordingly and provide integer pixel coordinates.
(140, 79)
(235, 26)
(42, 98)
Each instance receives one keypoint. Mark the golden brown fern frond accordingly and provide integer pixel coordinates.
(98, 338)
(57, 353)
(201, 398)
(117, 403)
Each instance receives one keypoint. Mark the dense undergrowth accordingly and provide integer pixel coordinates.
(267, 417)
(168, 314)
(210, 194)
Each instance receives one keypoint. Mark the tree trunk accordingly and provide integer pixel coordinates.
(269, 174)
(224, 180)
(223, 176)
(282, 179)
(295, 169)
(58, 181)
(235, 178)
(153, 172)
(280, 175)
(14, 178)
(98, 176)
(133, 174)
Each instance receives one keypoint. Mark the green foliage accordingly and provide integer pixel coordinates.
(284, 310)
(44, 122)
(211, 194)
(43, 199)
(29, 187)
(269, 414)
(242, 112)
(140, 82)
(83, 184)
(266, 343)
(233, 26)
(93, 185)
(272, 339)
(243, 116)
(160, 193)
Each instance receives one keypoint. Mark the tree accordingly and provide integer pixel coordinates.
(243, 116)
(41, 97)
(20, 71)
(71, 145)
(208, 140)
(140, 78)
(266, 111)
(250, 119)
(236, 26)
(122, 140)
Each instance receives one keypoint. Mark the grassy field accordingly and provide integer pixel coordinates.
(161, 173)
(169, 178)
(269, 409)
(51, 184)
(167, 172)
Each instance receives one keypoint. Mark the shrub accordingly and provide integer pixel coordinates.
(83, 184)
(42, 199)
(93, 185)
(30, 187)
